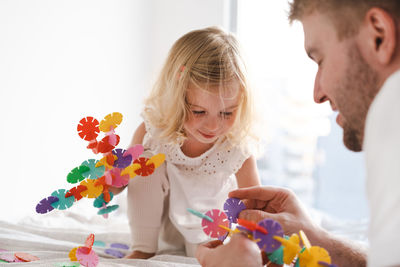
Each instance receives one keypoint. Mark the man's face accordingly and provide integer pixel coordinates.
(343, 78)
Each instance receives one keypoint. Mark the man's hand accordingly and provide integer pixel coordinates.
(275, 203)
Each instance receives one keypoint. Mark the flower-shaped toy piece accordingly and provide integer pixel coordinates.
(267, 242)
(62, 203)
(232, 208)
(45, 206)
(144, 170)
(213, 228)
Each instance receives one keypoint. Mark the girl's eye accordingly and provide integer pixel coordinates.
(226, 115)
(198, 113)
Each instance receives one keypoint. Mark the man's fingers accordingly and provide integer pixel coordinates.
(256, 215)
(265, 193)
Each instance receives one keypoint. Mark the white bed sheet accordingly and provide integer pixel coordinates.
(50, 237)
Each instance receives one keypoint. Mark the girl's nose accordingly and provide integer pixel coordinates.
(212, 123)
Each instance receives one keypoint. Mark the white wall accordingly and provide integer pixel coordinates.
(63, 60)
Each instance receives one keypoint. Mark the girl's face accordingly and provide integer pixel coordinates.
(211, 114)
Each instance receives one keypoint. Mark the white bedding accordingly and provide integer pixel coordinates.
(50, 237)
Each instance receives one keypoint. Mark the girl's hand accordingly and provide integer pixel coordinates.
(240, 251)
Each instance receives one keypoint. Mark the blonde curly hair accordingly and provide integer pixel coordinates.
(205, 58)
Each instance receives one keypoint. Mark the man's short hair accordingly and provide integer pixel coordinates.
(346, 15)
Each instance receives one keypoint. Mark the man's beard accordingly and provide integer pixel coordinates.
(356, 93)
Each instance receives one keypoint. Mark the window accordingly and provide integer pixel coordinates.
(304, 149)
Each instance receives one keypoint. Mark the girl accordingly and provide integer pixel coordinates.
(199, 115)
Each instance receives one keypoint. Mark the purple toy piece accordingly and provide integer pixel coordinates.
(45, 206)
(326, 264)
(119, 245)
(223, 237)
(114, 253)
(232, 208)
(122, 162)
(267, 243)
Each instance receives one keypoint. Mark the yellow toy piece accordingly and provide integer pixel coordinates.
(131, 170)
(291, 247)
(92, 190)
(72, 254)
(311, 256)
(304, 238)
(110, 122)
(156, 159)
(103, 162)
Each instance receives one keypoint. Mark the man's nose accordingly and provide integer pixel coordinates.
(319, 96)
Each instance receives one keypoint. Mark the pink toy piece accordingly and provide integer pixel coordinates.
(123, 161)
(7, 257)
(232, 207)
(134, 151)
(89, 241)
(212, 229)
(118, 180)
(45, 206)
(113, 137)
(87, 258)
(108, 178)
(267, 243)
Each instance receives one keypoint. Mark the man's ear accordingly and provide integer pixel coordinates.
(381, 32)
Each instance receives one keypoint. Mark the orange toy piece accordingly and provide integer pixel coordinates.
(88, 128)
(252, 226)
(25, 257)
(105, 146)
(76, 192)
(105, 161)
(144, 169)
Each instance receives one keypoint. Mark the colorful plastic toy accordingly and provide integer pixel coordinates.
(94, 177)
(268, 234)
(85, 255)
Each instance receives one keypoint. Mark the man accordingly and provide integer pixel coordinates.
(356, 44)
